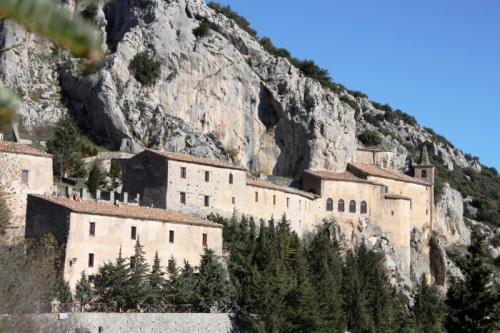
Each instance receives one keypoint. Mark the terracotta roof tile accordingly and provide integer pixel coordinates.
(195, 159)
(272, 186)
(340, 176)
(370, 170)
(16, 148)
(128, 211)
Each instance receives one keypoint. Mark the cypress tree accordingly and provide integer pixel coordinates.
(138, 287)
(156, 282)
(428, 310)
(62, 291)
(96, 178)
(474, 303)
(84, 292)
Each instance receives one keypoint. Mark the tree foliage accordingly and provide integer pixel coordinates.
(5, 213)
(145, 68)
(65, 147)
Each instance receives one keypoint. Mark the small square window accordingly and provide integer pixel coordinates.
(24, 176)
(171, 236)
(233, 200)
(204, 240)
(206, 201)
(183, 172)
(183, 198)
(92, 229)
(133, 233)
(207, 176)
(91, 260)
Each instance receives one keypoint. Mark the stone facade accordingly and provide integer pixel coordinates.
(364, 194)
(23, 170)
(94, 233)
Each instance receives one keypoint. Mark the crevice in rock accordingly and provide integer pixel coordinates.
(268, 114)
(437, 262)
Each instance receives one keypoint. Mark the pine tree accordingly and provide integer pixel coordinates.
(84, 292)
(96, 178)
(428, 310)
(62, 291)
(474, 304)
(213, 287)
(157, 282)
(65, 147)
(138, 286)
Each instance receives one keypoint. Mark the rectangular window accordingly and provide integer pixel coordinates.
(204, 240)
(288, 202)
(207, 176)
(300, 202)
(132, 262)
(91, 260)
(230, 178)
(274, 199)
(171, 236)
(133, 233)
(206, 201)
(183, 172)
(24, 176)
(256, 196)
(183, 198)
(233, 200)
(92, 229)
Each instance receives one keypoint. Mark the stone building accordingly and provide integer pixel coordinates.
(23, 170)
(366, 193)
(94, 232)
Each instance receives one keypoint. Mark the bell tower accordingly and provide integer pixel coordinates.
(424, 170)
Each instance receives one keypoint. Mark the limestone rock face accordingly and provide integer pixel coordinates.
(450, 221)
(260, 108)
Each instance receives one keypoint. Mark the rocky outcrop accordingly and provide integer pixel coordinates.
(264, 112)
(450, 221)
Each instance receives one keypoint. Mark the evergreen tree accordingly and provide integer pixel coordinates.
(138, 286)
(112, 283)
(474, 303)
(157, 282)
(4, 212)
(428, 310)
(65, 147)
(84, 292)
(213, 287)
(96, 178)
(62, 291)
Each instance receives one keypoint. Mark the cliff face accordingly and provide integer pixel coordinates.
(266, 114)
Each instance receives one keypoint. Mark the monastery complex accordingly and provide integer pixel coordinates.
(175, 192)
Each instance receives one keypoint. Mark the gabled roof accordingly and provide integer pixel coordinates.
(365, 170)
(16, 148)
(194, 159)
(126, 211)
(272, 186)
(345, 176)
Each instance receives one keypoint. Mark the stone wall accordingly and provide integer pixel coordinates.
(135, 322)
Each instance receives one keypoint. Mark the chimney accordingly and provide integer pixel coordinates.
(125, 197)
(98, 194)
(112, 196)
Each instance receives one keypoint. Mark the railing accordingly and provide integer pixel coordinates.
(56, 307)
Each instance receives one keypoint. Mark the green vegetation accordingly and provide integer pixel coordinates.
(90, 11)
(203, 30)
(370, 138)
(84, 292)
(474, 304)
(96, 178)
(229, 13)
(4, 212)
(429, 309)
(145, 68)
(65, 147)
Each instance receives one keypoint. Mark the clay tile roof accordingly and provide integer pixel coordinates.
(340, 176)
(272, 186)
(126, 211)
(195, 159)
(370, 170)
(16, 148)
(396, 196)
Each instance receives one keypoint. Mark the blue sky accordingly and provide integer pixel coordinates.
(436, 60)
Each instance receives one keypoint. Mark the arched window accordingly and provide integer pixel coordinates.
(352, 206)
(363, 207)
(329, 204)
(423, 174)
(230, 178)
(340, 205)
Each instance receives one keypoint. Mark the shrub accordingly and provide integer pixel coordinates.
(229, 13)
(369, 118)
(146, 70)
(90, 11)
(203, 30)
(370, 138)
